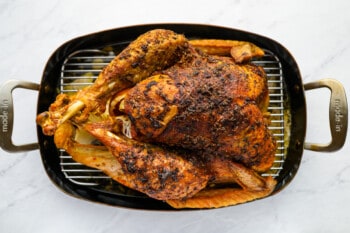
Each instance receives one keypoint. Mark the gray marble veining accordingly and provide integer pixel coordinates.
(316, 32)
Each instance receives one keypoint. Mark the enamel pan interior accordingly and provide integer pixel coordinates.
(122, 36)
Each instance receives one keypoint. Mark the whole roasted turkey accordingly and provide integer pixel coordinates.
(175, 118)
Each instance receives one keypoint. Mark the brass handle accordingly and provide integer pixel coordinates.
(6, 115)
(338, 115)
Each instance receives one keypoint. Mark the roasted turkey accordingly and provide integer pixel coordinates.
(174, 117)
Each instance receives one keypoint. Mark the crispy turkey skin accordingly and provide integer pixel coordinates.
(208, 104)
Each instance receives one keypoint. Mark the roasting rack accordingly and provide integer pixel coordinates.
(82, 67)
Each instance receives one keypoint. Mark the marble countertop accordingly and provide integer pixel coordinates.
(316, 32)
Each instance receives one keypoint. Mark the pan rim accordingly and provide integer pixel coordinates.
(294, 88)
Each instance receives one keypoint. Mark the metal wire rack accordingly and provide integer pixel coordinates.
(82, 67)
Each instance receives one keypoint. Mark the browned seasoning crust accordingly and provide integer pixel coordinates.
(161, 173)
(216, 108)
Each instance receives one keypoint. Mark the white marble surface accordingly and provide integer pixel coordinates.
(316, 32)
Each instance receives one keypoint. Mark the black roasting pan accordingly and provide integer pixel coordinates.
(291, 110)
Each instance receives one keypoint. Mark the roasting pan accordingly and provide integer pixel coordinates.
(77, 63)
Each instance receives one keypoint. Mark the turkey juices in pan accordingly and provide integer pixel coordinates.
(173, 117)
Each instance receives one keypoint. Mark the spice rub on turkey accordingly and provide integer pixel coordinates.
(208, 104)
(173, 120)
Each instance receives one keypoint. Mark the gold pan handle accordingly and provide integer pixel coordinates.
(338, 115)
(6, 115)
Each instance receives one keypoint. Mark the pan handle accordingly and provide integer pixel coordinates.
(6, 115)
(338, 115)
